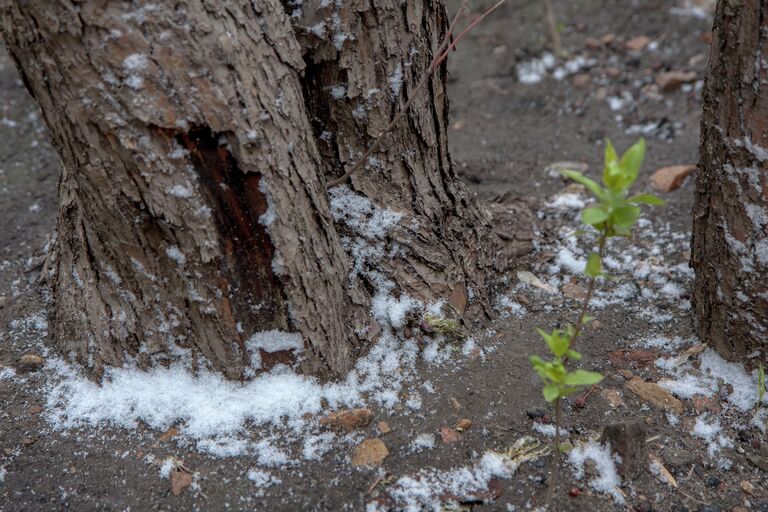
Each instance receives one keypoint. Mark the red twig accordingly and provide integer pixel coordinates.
(442, 53)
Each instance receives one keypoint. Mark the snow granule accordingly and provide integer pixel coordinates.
(175, 254)
(708, 428)
(548, 429)
(166, 467)
(567, 260)
(744, 385)
(607, 481)
(423, 442)
(688, 386)
(567, 201)
(135, 62)
(262, 479)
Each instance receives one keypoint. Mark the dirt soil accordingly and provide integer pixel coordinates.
(504, 134)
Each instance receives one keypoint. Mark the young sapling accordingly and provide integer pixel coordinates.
(614, 215)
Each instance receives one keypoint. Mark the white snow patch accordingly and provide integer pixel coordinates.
(708, 428)
(422, 442)
(262, 479)
(607, 481)
(567, 201)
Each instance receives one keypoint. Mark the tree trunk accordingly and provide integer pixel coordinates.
(196, 138)
(730, 226)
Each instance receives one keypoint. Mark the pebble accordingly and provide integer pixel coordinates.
(712, 481)
(30, 362)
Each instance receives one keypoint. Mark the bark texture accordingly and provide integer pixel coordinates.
(195, 139)
(730, 227)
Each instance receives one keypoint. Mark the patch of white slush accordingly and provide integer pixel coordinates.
(607, 480)
(213, 411)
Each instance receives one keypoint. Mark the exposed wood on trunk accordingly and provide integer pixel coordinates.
(195, 141)
(730, 229)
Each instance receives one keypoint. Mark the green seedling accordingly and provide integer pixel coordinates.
(614, 215)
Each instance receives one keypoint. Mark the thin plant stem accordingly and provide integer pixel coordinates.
(552, 26)
(590, 291)
(449, 43)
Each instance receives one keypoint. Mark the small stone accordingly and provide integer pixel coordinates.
(574, 492)
(180, 480)
(536, 412)
(582, 80)
(449, 435)
(370, 452)
(612, 397)
(36, 409)
(678, 459)
(637, 43)
(383, 427)
(592, 43)
(747, 487)
(627, 438)
(655, 394)
(708, 508)
(3, 301)
(30, 363)
(672, 177)
(712, 481)
(671, 80)
(613, 72)
(463, 424)
(348, 419)
(608, 38)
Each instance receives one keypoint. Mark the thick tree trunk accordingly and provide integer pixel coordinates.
(196, 138)
(730, 228)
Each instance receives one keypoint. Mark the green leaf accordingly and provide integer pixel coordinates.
(646, 199)
(625, 217)
(582, 378)
(551, 392)
(558, 344)
(591, 185)
(632, 160)
(536, 362)
(576, 356)
(544, 334)
(594, 266)
(594, 216)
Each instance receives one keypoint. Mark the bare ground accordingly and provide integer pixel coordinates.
(504, 134)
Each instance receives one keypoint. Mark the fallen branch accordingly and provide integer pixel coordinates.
(449, 43)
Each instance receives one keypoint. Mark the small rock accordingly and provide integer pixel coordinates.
(348, 419)
(536, 412)
(671, 178)
(582, 80)
(712, 481)
(370, 452)
(463, 424)
(709, 508)
(678, 459)
(383, 427)
(574, 492)
(592, 43)
(613, 72)
(655, 394)
(608, 38)
(627, 438)
(671, 80)
(3, 301)
(637, 43)
(455, 403)
(30, 363)
(180, 480)
(574, 291)
(449, 435)
(747, 487)
(612, 397)
(36, 409)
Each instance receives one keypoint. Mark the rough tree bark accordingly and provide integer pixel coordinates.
(196, 138)
(730, 225)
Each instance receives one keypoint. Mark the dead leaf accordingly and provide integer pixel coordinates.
(449, 435)
(661, 472)
(637, 43)
(180, 480)
(370, 452)
(671, 178)
(747, 487)
(574, 291)
(671, 80)
(528, 278)
(655, 394)
(455, 403)
(691, 351)
(348, 419)
(171, 432)
(463, 424)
